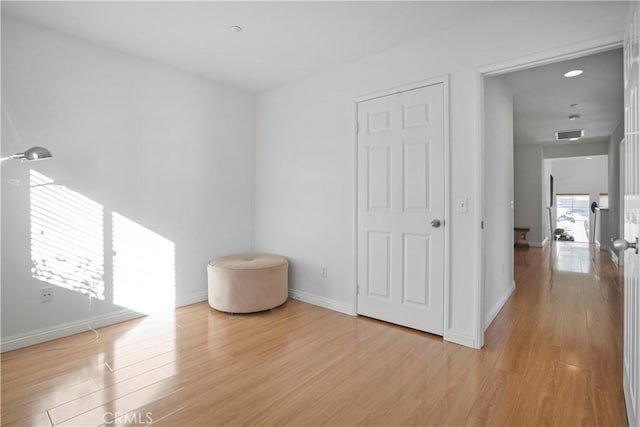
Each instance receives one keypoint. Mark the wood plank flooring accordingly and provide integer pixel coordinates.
(552, 357)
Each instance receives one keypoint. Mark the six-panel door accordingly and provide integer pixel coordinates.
(400, 194)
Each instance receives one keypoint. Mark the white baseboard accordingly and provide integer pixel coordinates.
(614, 256)
(460, 338)
(193, 298)
(324, 302)
(628, 396)
(47, 334)
(536, 244)
(451, 335)
(498, 305)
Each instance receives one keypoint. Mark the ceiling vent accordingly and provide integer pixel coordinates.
(569, 134)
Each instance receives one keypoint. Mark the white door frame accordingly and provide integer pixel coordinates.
(410, 86)
(564, 53)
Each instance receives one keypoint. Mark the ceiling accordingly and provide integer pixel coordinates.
(284, 41)
(280, 41)
(543, 98)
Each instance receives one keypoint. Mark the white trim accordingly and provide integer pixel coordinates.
(66, 329)
(324, 302)
(564, 53)
(629, 404)
(458, 337)
(47, 334)
(444, 80)
(491, 315)
(447, 203)
(479, 267)
(614, 256)
(193, 298)
(355, 208)
(406, 87)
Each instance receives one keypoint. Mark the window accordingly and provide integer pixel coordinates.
(572, 215)
(603, 203)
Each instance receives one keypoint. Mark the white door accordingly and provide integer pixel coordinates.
(631, 355)
(401, 208)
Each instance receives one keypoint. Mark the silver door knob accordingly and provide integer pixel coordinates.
(621, 245)
(435, 223)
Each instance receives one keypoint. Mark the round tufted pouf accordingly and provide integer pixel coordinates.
(247, 283)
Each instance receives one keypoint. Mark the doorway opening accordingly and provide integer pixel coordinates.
(523, 110)
(572, 217)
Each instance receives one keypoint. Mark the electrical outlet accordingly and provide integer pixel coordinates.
(46, 294)
(324, 271)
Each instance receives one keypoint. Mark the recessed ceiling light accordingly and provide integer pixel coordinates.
(573, 73)
(588, 158)
(574, 116)
(235, 28)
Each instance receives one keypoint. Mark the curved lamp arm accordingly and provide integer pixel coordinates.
(33, 153)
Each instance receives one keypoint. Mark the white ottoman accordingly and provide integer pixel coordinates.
(247, 283)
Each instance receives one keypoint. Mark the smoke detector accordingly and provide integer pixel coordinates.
(569, 134)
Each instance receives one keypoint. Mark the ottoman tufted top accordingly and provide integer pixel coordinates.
(249, 261)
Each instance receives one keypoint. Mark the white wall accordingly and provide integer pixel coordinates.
(575, 150)
(305, 135)
(528, 191)
(172, 152)
(579, 174)
(498, 213)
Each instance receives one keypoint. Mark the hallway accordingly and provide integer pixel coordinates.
(560, 339)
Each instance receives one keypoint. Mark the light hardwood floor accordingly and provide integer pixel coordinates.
(552, 357)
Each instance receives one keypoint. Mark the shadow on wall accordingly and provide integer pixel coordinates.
(69, 233)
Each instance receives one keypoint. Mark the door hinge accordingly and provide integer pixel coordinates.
(481, 225)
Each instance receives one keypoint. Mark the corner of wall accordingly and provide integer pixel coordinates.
(502, 300)
(461, 338)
